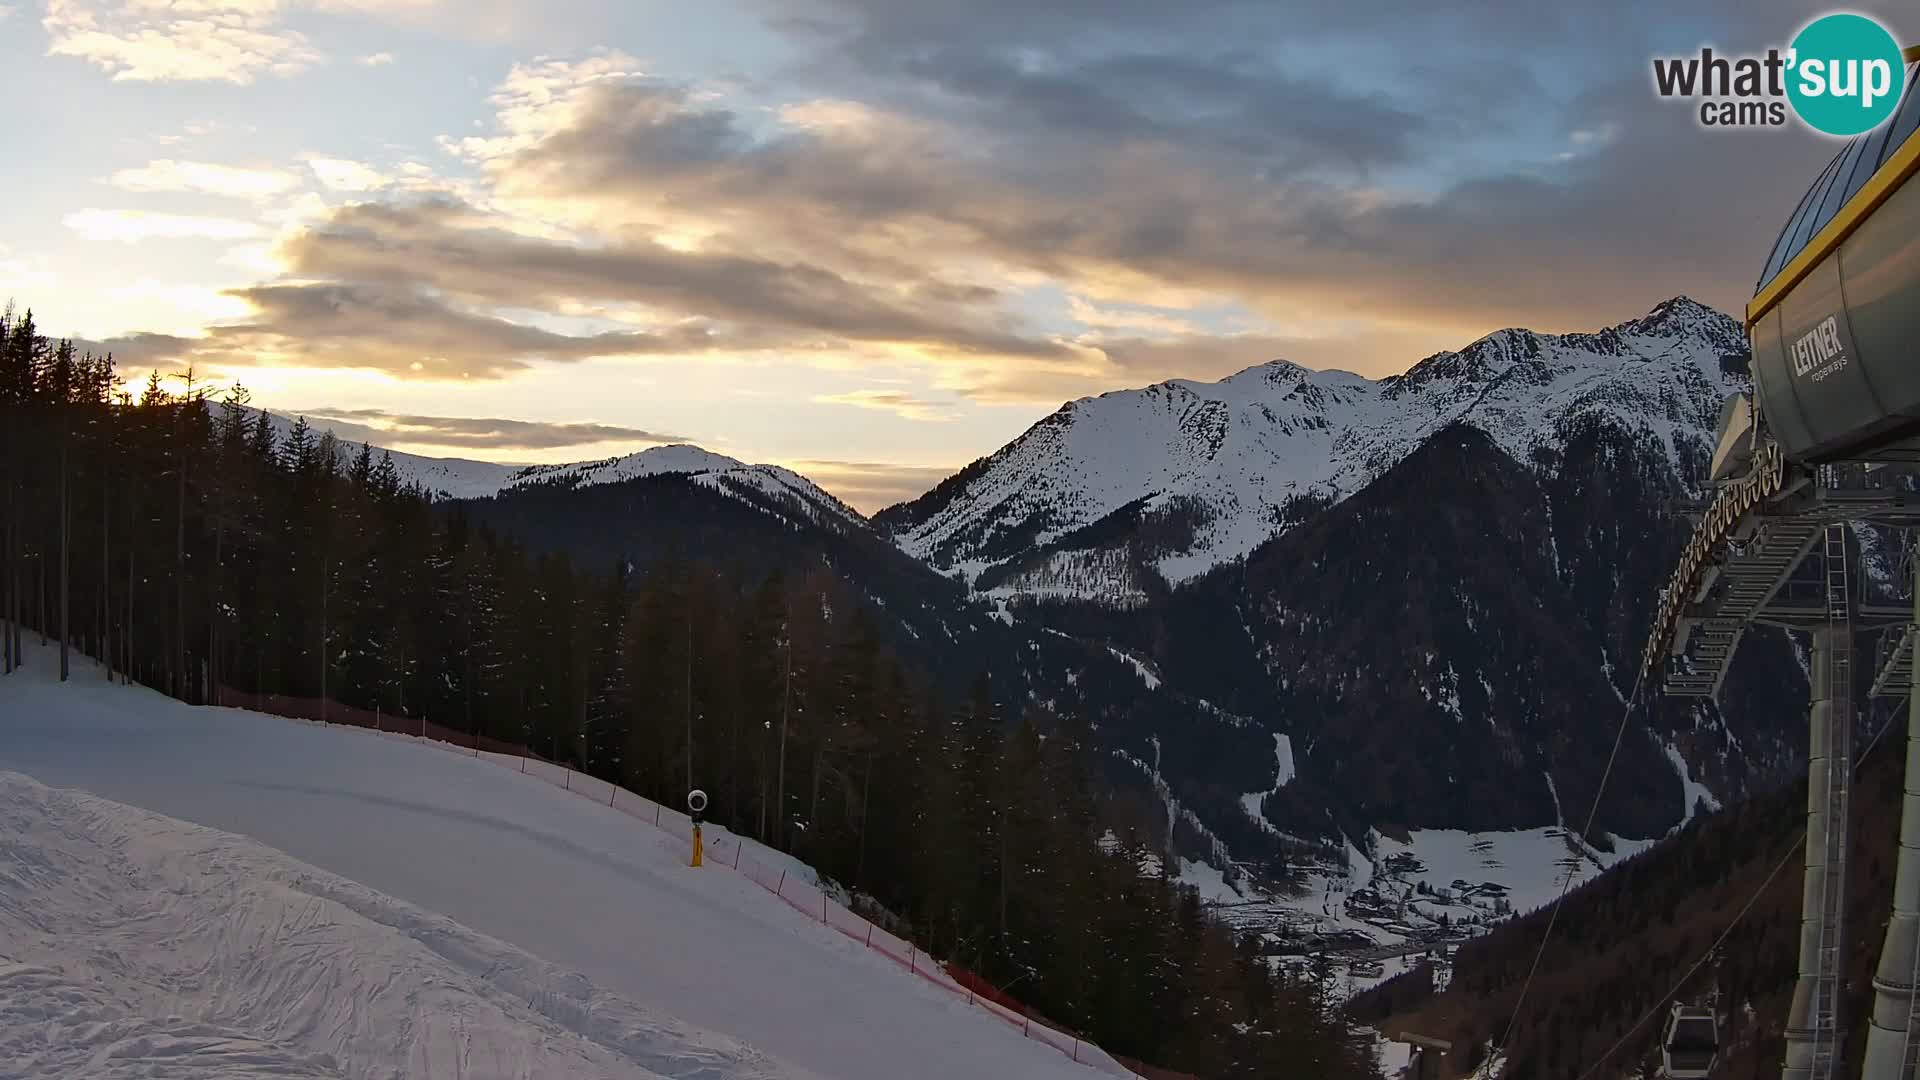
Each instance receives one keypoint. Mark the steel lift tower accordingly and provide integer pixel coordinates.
(1829, 439)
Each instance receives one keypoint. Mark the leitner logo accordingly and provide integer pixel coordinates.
(1842, 75)
(1818, 349)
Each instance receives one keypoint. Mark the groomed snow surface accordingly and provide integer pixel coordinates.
(425, 914)
(137, 945)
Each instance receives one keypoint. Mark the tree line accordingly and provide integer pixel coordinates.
(178, 537)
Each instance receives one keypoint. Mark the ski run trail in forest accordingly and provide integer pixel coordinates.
(212, 893)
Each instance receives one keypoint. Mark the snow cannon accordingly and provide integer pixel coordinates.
(696, 806)
(1835, 318)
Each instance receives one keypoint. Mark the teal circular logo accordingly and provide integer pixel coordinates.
(1845, 74)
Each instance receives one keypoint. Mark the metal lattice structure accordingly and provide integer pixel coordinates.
(1825, 1007)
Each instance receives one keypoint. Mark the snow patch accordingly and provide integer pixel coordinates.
(1693, 791)
(1528, 866)
(1283, 775)
(1146, 674)
(1209, 881)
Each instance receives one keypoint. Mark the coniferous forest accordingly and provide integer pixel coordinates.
(173, 534)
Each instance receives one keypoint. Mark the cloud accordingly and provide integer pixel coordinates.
(167, 175)
(379, 59)
(462, 252)
(339, 174)
(411, 333)
(232, 41)
(836, 229)
(869, 486)
(173, 306)
(143, 351)
(398, 332)
(21, 278)
(1099, 318)
(898, 402)
(134, 226)
(476, 433)
(879, 199)
(1036, 211)
(1649, 212)
(1231, 104)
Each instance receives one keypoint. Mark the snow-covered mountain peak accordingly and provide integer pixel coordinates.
(717, 471)
(459, 478)
(653, 461)
(1211, 470)
(1680, 316)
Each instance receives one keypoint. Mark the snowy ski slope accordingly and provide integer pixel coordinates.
(136, 945)
(570, 882)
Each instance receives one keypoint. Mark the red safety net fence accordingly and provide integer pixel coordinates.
(1152, 1072)
(324, 711)
(776, 873)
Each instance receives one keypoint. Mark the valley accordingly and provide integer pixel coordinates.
(1373, 580)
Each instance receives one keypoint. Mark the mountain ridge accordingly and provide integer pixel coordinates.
(1218, 463)
(466, 478)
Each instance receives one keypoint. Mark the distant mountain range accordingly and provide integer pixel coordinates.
(1429, 586)
(1110, 495)
(460, 478)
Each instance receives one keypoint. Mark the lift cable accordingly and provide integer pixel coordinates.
(1593, 812)
(1785, 857)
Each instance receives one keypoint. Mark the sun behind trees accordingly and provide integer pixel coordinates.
(181, 540)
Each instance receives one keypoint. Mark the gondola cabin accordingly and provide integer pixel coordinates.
(1690, 1044)
(1837, 310)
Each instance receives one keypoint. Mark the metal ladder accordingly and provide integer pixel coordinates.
(1826, 999)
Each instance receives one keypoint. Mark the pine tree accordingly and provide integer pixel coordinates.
(298, 452)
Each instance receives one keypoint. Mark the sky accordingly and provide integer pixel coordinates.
(868, 239)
